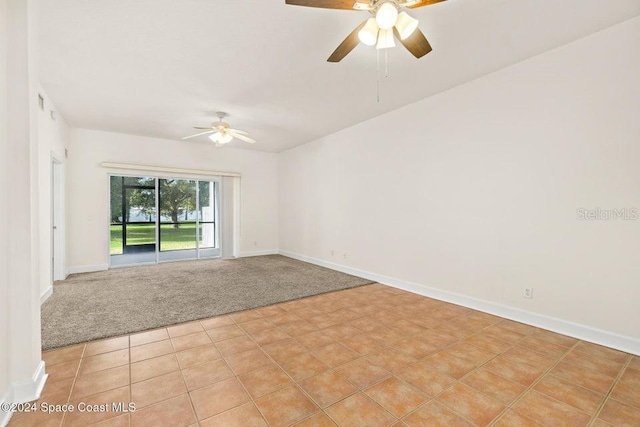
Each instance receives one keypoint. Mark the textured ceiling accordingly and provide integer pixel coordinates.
(158, 67)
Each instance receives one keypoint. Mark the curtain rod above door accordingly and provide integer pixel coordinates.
(163, 169)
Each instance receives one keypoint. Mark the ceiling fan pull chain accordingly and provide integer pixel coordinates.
(378, 75)
(386, 62)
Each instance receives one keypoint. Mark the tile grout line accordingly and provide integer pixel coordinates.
(295, 383)
(357, 388)
(184, 381)
(187, 392)
(547, 372)
(236, 377)
(189, 367)
(608, 393)
(154, 377)
(477, 368)
(540, 378)
(458, 381)
(457, 341)
(392, 374)
(321, 410)
(605, 396)
(471, 372)
(82, 357)
(73, 383)
(75, 379)
(129, 383)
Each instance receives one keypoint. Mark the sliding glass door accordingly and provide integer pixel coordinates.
(133, 220)
(178, 239)
(185, 228)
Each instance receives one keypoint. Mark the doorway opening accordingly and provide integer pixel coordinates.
(162, 219)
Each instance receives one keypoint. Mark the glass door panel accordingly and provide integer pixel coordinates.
(133, 220)
(115, 221)
(208, 221)
(140, 223)
(177, 201)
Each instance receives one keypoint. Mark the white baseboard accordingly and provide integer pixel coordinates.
(24, 392)
(586, 333)
(259, 253)
(30, 390)
(86, 268)
(5, 416)
(46, 294)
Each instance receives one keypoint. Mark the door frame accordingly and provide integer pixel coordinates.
(57, 219)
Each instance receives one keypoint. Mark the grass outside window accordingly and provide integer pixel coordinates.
(183, 237)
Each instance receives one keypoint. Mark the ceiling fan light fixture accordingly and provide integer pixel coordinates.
(385, 39)
(406, 25)
(369, 33)
(220, 137)
(386, 16)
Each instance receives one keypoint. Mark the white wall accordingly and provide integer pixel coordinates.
(23, 374)
(475, 191)
(4, 200)
(53, 136)
(88, 197)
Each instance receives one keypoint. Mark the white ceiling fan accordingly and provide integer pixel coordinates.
(221, 133)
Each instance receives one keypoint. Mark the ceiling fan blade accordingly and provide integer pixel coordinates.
(327, 4)
(200, 127)
(416, 43)
(422, 3)
(242, 132)
(241, 137)
(347, 45)
(199, 134)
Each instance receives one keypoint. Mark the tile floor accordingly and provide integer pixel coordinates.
(370, 356)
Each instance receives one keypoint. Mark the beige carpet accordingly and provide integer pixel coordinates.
(90, 306)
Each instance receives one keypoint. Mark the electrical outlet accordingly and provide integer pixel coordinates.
(528, 293)
(344, 256)
(255, 243)
(333, 252)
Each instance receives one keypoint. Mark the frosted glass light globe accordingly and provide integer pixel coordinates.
(220, 138)
(386, 16)
(406, 25)
(369, 33)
